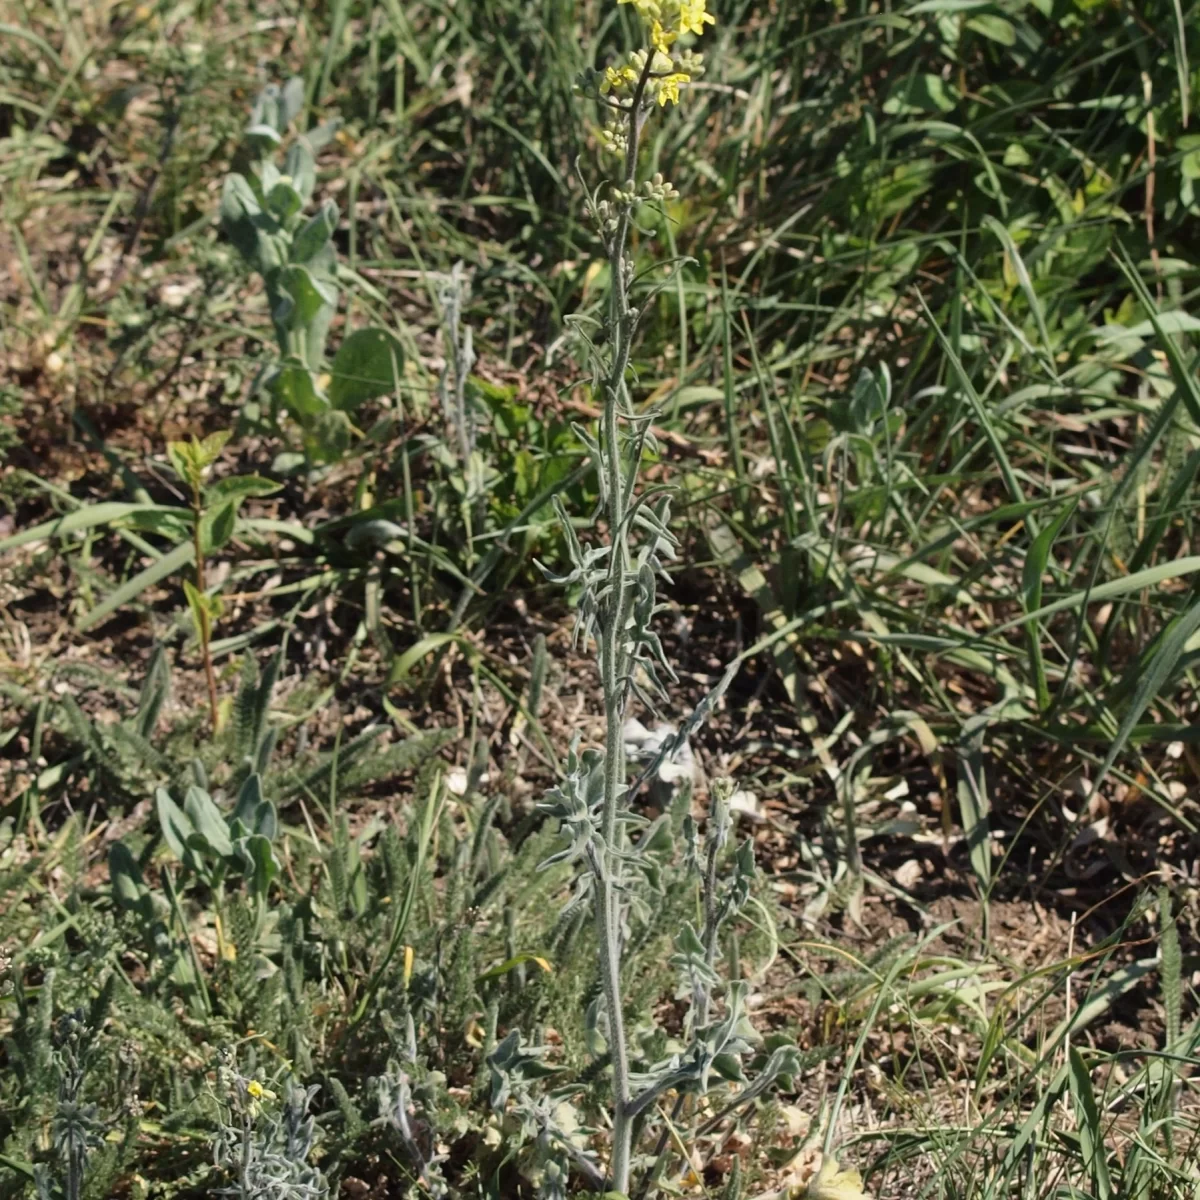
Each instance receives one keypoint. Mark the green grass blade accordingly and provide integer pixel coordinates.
(1036, 562)
(1151, 682)
(1139, 580)
(1091, 1134)
(89, 517)
(183, 555)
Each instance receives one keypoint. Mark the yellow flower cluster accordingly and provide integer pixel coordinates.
(668, 87)
(664, 22)
(256, 1094)
(618, 79)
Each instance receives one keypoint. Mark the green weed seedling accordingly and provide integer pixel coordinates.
(214, 518)
(215, 848)
(212, 845)
(265, 214)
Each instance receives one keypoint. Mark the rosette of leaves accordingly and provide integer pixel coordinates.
(267, 215)
(214, 846)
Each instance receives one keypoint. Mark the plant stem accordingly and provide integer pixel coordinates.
(608, 917)
(711, 926)
(244, 1166)
(614, 618)
(204, 629)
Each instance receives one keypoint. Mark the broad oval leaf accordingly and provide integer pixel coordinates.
(249, 797)
(296, 389)
(266, 823)
(921, 93)
(208, 820)
(315, 233)
(368, 364)
(284, 200)
(126, 877)
(240, 487)
(300, 166)
(176, 828)
(265, 866)
(217, 526)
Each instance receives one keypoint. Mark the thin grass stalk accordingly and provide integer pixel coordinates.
(204, 624)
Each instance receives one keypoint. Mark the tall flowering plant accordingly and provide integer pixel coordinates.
(624, 863)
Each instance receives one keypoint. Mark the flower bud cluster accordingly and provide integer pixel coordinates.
(614, 138)
(660, 76)
(659, 189)
(606, 216)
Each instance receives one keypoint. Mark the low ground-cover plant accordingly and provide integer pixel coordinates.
(363, 977)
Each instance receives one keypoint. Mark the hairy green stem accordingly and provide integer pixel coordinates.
(608, 917)
(712, 923)
(613, 665)
(244, 1166)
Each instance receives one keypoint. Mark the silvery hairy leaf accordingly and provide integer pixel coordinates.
(512, 1065)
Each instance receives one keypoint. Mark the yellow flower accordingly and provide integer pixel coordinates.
(832, 1183)
(661, 38)
(617, 79)
(668, 88)
(258, 1092)
(693, 16)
